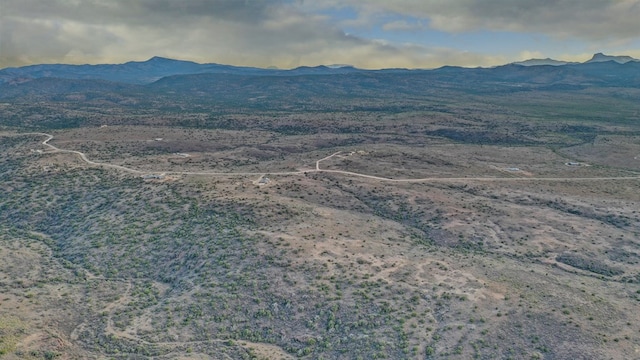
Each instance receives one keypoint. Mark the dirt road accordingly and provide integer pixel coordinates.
(84, 158)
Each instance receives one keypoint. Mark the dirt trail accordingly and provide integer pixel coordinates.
(84, 158)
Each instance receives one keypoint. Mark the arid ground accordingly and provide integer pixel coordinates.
(503, 229)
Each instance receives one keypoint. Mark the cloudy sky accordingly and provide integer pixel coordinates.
(290, 33)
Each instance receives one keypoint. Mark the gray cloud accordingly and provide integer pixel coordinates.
(587, 19)
(92, 30)
(237, 10)
(140, 12)
(285, 33)
(243, 32)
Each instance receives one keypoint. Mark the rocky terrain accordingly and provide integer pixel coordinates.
(323, 214)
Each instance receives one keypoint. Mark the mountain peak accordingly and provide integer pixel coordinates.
(159, 59)
(340, 66)
(536, 62)
(600, 57)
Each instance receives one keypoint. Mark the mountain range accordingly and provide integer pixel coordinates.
(599, 57)
(170, 77)
(145, 72)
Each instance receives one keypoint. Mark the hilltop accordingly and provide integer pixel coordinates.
(600, 57)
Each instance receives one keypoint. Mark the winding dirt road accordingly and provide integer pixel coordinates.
(83, 156)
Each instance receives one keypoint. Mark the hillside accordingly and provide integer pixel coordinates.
(321, 213)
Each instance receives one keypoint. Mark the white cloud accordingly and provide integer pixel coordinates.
(596, 20)
(253, 33)
(288, 33)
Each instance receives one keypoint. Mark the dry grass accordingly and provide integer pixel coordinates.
(464, 268)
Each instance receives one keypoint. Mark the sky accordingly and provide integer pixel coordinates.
(368, 34)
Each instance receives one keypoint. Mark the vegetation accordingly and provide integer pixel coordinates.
(504, 252)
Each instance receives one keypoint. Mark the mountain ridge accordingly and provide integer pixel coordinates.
(546, 61)
(324, 79)
(597, 57)
(153, 69)
(157, 67)
(600, 57)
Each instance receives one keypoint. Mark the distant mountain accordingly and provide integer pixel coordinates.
(538, 62)
(319, 70)
(600, 57)
(57, 89)
(134, 72)
(145, 72)
(611, 73)
(156, 68)
(208, 82)
(337, 66)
